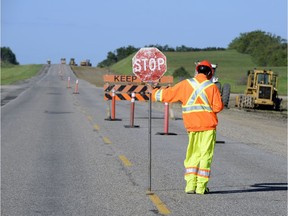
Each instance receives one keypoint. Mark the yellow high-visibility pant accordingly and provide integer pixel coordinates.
(198, 160)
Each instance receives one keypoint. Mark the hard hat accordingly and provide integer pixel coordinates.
(206, 68)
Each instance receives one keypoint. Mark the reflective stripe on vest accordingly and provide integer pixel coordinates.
(199, 91)
(158, 95)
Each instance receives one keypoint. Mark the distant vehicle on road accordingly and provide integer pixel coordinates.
(63, 60)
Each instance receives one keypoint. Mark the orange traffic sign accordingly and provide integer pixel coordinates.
(108, 78)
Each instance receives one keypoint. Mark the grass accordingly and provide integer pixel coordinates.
(232, 67)
(90, 74)
(11, 74)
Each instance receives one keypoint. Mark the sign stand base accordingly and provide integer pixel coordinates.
(163, 133)
(149, 192)
(129, 126)
(110, 119)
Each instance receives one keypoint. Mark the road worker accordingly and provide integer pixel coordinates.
(201, 101)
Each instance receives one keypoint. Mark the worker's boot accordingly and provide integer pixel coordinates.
(202, 191)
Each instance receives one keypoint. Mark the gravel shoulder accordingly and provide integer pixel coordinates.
(259, 129)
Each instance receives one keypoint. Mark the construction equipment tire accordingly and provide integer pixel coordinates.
(226, 94)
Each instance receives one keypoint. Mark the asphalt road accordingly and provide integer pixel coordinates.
(59, 156)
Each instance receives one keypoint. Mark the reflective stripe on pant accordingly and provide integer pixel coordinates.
(198, 160)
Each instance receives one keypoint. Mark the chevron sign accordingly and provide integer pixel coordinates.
(123, 92)
(126, 96)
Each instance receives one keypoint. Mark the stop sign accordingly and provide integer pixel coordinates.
(149, 64)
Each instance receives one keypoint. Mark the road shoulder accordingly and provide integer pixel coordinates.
(10, 92)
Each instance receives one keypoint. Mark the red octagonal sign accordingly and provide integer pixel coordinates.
(149, 64)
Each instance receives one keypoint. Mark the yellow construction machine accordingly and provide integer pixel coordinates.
(261, 91)
(85, 63)
(72, 62)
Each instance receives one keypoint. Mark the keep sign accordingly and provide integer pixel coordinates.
(149, 64)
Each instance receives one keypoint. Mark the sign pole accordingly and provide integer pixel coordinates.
(150, 144)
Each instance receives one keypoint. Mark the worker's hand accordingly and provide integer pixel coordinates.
(151, 86)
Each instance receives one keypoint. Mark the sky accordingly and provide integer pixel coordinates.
(38, 30)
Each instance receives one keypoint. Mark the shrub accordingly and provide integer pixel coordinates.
(7, 56)
(181, 73)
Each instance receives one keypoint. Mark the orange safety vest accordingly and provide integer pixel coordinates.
(201, 101)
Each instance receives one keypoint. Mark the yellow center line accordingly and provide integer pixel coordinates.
(89, 118)
(96, 127)
(162, 208)
(125, 161)
(107, 140)
(82, 110)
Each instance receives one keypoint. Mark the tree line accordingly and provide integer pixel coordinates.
(123, 52)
